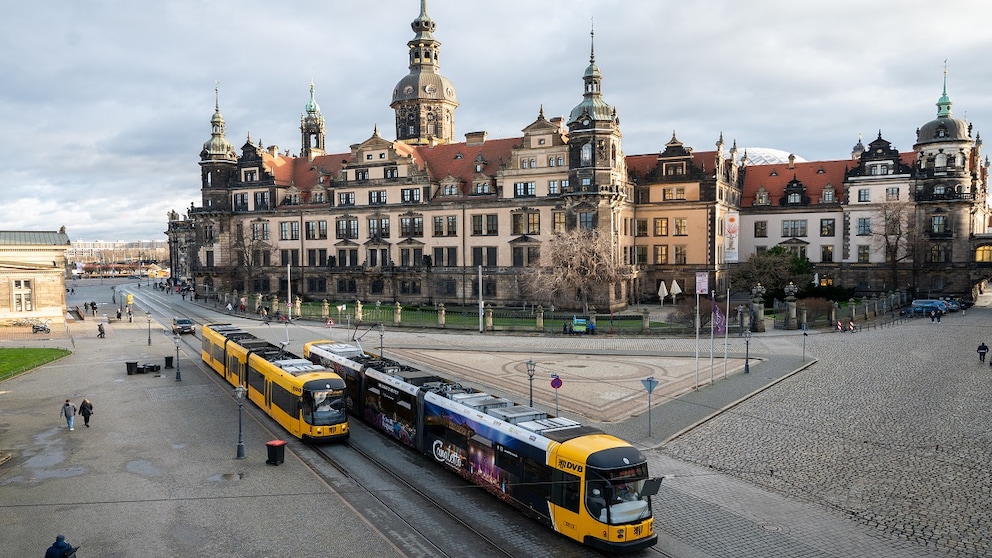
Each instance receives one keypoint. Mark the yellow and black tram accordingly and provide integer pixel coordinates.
(306, 399)
(583, 483)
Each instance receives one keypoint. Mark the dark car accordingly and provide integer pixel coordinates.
(183, 325)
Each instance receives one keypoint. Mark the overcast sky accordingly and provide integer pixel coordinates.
(105, 104)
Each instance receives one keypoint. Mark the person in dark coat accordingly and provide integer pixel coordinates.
(60, 549)
(86, 409)
(983, 350)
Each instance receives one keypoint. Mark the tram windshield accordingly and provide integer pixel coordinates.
(324, 407)
(614, 496)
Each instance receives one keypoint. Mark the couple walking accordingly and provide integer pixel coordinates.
(69, 412)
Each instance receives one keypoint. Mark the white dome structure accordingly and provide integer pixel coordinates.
(766, 156)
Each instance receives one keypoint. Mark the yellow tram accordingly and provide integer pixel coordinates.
(306, 399)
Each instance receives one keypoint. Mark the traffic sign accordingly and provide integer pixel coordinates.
(555, 381)
(650, 383)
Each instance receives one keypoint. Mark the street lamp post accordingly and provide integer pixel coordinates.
(381, 332)
(239, 394)
(747, 351)
(179, 376)
(149, 315)
(531, 368)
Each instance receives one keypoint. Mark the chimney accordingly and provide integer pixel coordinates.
(792, 161)
(475, 138)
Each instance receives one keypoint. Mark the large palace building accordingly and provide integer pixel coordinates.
(426, 219)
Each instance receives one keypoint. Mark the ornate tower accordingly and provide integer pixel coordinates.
(218, 161)
(312, 129)
(596, 160)
(949, 189)
(424, 100)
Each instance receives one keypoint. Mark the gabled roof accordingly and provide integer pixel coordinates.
(815, 176)
(459, 159)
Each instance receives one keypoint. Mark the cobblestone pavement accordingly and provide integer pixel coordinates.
(890, 427)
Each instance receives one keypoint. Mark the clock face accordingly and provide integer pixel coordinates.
(585, 122)
(408, 89)
(430, 89)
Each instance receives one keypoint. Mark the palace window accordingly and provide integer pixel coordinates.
(761, 229)
(289, 230)
(681, 254)
(526, 223)
(23, 295)
(661, 254)
(864, 195)
(259, 231)
(827, 227)
(377, 197)
(524, 189)
(661, 226)
(794, 228)
(680, 226)
(410, 195)
(411, 226)
(346, 198)
(864, 226)
(347, 228)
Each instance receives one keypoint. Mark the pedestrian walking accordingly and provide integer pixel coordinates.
(100, 332)
(983, 350)
(86, 409)
(939, 314)
(229, 308)
(69, 412)
(130, 316)
(933, 316)
(60, 549)
(93, 307)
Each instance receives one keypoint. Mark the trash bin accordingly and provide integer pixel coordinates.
(132, 368)
(168, 362)
(276, 450)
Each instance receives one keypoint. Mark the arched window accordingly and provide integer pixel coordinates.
(586, 154)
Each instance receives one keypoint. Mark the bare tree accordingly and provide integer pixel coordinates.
(577, 267)
(250, 251)
(898, 236)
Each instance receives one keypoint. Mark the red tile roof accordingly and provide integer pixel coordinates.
(814, 175)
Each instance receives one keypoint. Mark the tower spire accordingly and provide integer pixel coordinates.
(944, 103)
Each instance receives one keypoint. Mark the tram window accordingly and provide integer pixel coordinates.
(256, 380)
(537, 477)
(282, 398)
(565, 491)
(323, 407)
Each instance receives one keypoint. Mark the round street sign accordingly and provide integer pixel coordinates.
(556, 382)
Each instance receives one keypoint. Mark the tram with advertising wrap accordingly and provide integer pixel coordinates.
(583, 483)
(306, 399)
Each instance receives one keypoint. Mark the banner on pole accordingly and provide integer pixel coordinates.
(732, 229)
(719, 320)
(702, 282)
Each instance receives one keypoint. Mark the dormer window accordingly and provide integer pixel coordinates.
(761, 197)
(828, 196)
(368, 156)
(794, 197)
(250, 175)
(478, 168)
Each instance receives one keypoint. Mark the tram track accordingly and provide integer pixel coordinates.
(463, 540)
(421, 509)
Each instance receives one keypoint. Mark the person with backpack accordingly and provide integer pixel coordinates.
(983, 350)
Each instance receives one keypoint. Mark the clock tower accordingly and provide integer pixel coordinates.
(424, 100)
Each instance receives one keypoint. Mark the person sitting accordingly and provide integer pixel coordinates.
(596, 503)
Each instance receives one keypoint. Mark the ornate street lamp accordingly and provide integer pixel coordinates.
(531, 368)
(239, 394)
(176, 340)
(747, 351)
(149, 316)
(790, 290)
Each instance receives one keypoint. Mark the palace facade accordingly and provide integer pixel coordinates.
(421, 218)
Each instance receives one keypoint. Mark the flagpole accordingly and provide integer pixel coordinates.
(712, 331)
(726, 334)
(697, 340)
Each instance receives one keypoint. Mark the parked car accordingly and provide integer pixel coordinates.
(183, 325)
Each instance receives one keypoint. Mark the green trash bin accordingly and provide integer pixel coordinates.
(276, 451)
